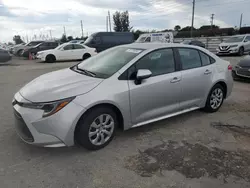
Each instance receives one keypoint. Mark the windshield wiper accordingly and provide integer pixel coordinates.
(86, 71)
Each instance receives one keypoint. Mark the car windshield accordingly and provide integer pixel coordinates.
(186, 41)
(89, 39)
(235, 39)
(109, 62)
(141, 39)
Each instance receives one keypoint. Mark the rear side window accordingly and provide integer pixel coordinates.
(158, 62)
(205, 59)
(190, 58)
(77, 46)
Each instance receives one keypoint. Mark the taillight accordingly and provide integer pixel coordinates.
(230, 67)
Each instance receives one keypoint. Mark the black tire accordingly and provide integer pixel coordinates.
(86, 56)
(50, 58)
(241, 51)
(84, 126)
(208, 107)
(19, 53)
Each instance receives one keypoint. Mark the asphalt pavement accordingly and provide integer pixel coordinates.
(193, 150)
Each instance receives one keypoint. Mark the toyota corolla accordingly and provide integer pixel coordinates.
(123, 87)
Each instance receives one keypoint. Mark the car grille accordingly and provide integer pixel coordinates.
(224, 48)
(22, 128)
(243, 72)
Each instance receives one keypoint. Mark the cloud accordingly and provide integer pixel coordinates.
(33, 17)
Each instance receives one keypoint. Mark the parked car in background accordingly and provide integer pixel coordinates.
(238, 44)
(4, 55)
(123, 87)
(40, 47)
(15, 46)
(77, 41)
(18, 50)
(242, 69)
(167, 37)
(104, 40)
(194, 42)
(67, 51)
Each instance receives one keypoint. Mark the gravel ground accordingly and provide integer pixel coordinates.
(191, 150)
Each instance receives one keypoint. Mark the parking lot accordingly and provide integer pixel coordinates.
(193, 150)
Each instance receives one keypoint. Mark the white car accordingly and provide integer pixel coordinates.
(238, 44)
(67, 51)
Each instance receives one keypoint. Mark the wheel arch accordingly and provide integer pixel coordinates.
(103, 104)
(223, 84)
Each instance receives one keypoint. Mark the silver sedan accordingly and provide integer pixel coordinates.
(123, 87)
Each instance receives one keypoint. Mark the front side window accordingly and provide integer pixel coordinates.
(68, 47)
(158, 62)
(190, 58)
(147, 39)
(108, 62)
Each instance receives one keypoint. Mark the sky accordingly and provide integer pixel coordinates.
(33, 18)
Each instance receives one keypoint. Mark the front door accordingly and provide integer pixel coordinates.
(197, 72)
(158, 95)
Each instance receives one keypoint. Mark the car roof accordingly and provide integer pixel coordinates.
(148, 46)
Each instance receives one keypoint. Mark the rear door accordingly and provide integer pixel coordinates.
(78, 51)
(197, 72)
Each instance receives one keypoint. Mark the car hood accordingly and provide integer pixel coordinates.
(58, 85)
(245, 62)
(229, 44)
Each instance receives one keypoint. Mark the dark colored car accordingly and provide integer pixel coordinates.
(242, 69)
(104, 40)
(40, 47)
(4, 56)
(194, 42)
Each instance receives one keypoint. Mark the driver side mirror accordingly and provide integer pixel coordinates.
(141, 75)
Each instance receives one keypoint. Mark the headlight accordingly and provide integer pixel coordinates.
(233, 46)
(50, 107)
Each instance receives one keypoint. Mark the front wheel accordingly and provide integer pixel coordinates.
(86, 56)
(215, 99)
(96, 129)
(50, 59)
(241, 51)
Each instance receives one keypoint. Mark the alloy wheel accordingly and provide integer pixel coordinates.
(216, 98)
(101, 129)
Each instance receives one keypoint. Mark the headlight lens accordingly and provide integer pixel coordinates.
(49, 108)
(233, 46)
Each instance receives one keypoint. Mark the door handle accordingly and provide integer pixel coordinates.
(207, 72)
(175, 79)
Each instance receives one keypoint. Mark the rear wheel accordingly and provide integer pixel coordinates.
(215, 98)
(86, 56)
(50, 58)
(96, 129)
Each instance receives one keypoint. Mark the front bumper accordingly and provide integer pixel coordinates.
(56, 130)
(40, 56)
(227, 51)
(241, 73)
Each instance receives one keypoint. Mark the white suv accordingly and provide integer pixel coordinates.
(238, 44)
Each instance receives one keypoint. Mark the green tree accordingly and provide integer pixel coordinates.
(207, 27)
(69, 38)
(187, 28)
(17, 39)
(63, 39)
(117, 21)
(121, 22)
(177, 28)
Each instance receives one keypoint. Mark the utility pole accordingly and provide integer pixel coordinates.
(241, 17)
(212, 20)
(82, 29)
(50, 34)
(192, 19)
(64, 30)
(109, 21)
(107, 27)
